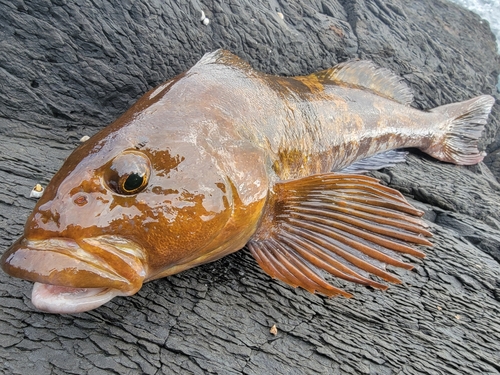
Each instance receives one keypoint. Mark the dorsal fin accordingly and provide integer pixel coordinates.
(223, 57)
(365, 74)
(347, 225)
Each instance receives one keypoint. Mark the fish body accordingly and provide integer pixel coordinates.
(222, 156)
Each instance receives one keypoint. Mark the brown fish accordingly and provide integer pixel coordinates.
(222, 156)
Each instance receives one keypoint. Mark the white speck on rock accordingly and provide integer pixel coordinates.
(37, 191)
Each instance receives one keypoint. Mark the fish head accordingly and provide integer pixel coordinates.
(74, 247)
(127, 207)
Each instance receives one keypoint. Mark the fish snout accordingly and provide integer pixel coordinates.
(69, 215)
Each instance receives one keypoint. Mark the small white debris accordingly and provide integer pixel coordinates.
(280, 15)
(37, 191)
(84, 138)
(204, 20)
(273, 330)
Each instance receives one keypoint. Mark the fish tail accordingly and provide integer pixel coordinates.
(463, 128)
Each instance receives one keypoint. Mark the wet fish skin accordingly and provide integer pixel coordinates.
(192, 171)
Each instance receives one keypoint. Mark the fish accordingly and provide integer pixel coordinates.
(224, 157)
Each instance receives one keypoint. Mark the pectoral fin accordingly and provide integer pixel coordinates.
(347, 225)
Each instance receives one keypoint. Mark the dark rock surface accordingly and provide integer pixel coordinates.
(69, 68)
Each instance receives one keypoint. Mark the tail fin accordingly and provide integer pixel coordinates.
(465, 125)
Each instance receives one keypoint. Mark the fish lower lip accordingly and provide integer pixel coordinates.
(68, 300)
(71, 292)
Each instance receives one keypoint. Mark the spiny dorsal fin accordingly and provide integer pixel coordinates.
(365, 74)
(223, 57)
(347, 225)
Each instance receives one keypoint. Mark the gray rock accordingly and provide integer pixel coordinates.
(68, 69)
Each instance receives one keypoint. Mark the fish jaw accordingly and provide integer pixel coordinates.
(75, 276)
(66, 300)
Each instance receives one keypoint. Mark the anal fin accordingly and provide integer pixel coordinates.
(375, 162)
(349, 226)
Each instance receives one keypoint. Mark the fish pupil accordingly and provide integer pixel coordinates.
(133, 182)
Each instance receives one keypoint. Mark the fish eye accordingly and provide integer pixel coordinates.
(132, 183)
(128, 173)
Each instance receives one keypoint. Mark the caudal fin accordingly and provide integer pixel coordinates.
(464, 127)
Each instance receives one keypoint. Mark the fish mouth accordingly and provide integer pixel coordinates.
(73, 276)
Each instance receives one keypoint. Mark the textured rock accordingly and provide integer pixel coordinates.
(69, 68)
